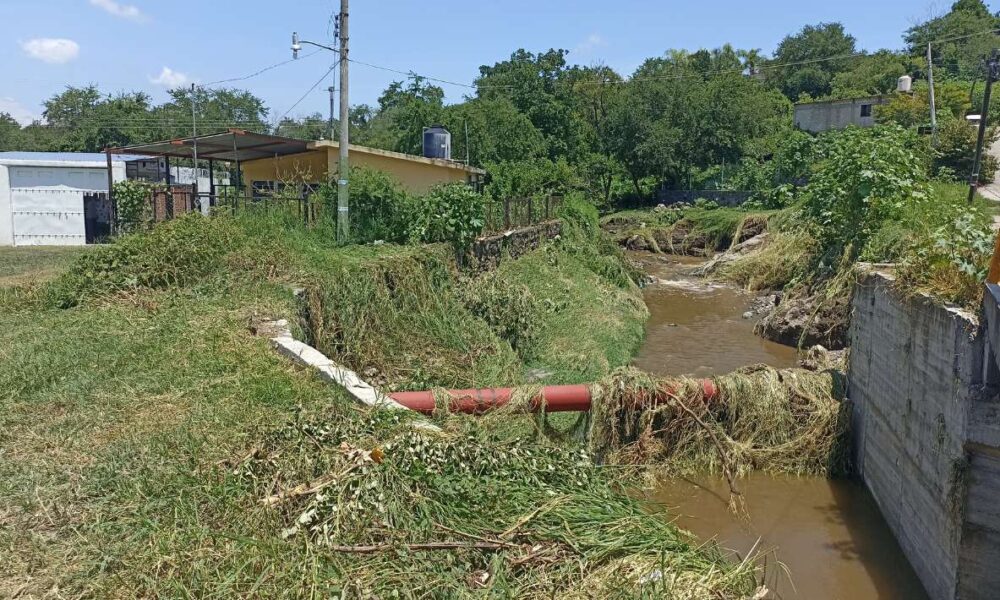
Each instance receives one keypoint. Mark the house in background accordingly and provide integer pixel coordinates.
(61, 198)
(266, 164)
(824, 115)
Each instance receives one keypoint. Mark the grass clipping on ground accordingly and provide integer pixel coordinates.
(760, 419)
(473, 510)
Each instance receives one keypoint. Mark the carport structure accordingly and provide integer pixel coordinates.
(232, 147)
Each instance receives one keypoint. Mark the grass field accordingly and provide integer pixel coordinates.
(27, 264)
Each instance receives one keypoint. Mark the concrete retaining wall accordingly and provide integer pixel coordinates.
(916, 380)
(489, 250)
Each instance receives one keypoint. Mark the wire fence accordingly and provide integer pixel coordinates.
(307, 207)
(174, 201)
(511, 213)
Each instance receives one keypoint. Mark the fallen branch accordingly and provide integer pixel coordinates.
(429, 546)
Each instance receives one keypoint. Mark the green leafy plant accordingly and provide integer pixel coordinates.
(509, 308)
(380, 208)
(133, 203)
(953, 260)
(867, 177)
(451, 213)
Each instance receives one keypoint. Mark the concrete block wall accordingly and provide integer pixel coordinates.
(915, 379)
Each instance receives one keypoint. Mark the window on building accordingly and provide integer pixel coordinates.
(866, 110)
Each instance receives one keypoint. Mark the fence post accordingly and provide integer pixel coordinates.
(506, 213)
(548, 202)
(531, 211)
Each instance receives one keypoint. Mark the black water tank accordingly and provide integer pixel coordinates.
(437, 142)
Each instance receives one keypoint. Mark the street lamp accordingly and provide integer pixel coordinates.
(297, 45)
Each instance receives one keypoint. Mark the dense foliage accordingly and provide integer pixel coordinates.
(700, 119)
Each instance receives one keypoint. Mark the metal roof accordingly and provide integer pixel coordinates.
(232, 145)
(65, 157)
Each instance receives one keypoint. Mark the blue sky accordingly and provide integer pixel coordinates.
(146, 45)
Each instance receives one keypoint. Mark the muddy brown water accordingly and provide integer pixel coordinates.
(818, 538)
(696, 327)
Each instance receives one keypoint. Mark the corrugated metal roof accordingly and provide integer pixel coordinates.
(87, 157)
(233, 145)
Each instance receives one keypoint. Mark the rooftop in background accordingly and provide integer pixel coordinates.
(233, 145)
(98, 158)
(451, 164)
(245, 146)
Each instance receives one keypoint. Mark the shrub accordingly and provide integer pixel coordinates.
(956, 149)
(950, 257)
(867, 177)
(380, 208)
(451, 213)
(133, 203)
(577, 209)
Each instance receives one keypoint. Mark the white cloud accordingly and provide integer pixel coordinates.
(593, 42)
(51, 50)
(170, 78)
(15, 109)
(125, 11)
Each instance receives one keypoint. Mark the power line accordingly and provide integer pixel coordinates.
(305, 95)
(260, 72)
(740, 70)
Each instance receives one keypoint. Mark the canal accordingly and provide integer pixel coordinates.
(818, 538)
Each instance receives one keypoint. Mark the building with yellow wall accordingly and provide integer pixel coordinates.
(320, 161)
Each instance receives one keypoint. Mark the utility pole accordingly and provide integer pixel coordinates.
(194, 136)
(343, 199)
(333, 100)
(991, 74)
(930, 84)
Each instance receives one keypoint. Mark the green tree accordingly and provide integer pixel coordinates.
(403, 112)
(311, 127)
(82, 120)
(951, 100)
(497, 132)
(10, 133)
(871, 75)
(968, 20)
(806, 62)
(538, 86)
(217, 110)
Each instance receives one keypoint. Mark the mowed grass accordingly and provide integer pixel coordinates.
(33, 264)
(116, 422)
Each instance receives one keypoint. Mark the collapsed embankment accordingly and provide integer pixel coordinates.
(758, 251)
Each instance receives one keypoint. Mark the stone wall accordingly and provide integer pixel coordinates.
(916, 381)
(488, 251)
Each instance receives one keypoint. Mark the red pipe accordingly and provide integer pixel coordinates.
(557, 398)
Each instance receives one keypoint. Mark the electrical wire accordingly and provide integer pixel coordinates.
(304, 96)
(261, 71)
(740, 70)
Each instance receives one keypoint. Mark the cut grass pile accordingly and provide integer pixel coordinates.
(473, 510)
(688, 230)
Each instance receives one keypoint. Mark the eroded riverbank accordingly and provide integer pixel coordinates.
(822, 538)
